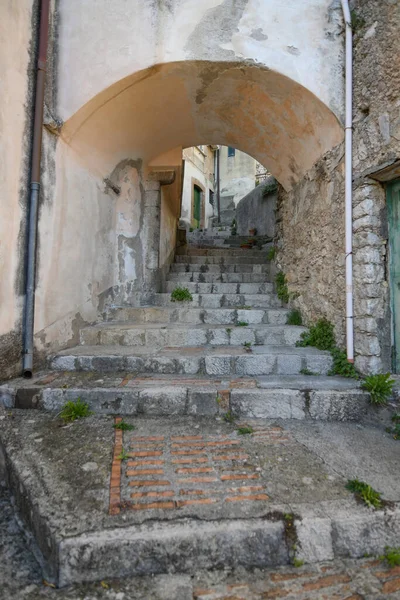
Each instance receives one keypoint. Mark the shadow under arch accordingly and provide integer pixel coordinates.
(181, 104)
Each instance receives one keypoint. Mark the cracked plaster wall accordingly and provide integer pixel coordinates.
(18, 21)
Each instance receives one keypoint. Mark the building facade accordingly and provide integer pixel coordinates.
(115, 124)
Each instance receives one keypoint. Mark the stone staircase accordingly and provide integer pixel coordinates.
(220, 464)
(234, 326)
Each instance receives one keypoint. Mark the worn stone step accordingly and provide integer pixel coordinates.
(264, 499)
(196, 316)
(196, 276)
(216, 300)
(260, 258)
(273, 397)
(223, 288)
(127, 334)
(229, 268)
(215, 361)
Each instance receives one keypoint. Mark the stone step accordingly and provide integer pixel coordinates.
(214, 361)
(222, 260)
(273, 397)
(260, 500)
(215, 300)
(222, 288)
(196, 316)
(196, 276)
(229, 268)
(150, 334)
(220, 252)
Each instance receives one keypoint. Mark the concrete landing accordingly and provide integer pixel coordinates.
(194, 494)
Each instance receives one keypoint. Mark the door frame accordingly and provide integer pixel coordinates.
(197, 183)
(395, 319)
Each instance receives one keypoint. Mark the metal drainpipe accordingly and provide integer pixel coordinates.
(218, 186)
(34, 191)
(349, 183)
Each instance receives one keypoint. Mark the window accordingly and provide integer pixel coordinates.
(231, 151)
(211, 198)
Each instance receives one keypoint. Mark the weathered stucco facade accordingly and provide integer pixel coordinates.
(121, 107)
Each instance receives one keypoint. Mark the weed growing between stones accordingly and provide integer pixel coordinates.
(341, 365)
(247, 346)
(124, 455)
(229, 417)
(321, 336)
(298, 563)
(307, 372)
(365, 493)
(75, 410)
(241, 324)
(281, 287)
(124, 426)
(294, 318)
(245, 430)
(391, 556)
(395, 430)
(181, 295)
(271, 253)
(380, 387)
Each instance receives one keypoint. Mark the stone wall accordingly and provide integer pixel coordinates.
(376, 143)
(310, 241)
(311, 216)
(257, 210)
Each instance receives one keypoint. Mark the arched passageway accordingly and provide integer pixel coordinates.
(106, 182)
(259, 111)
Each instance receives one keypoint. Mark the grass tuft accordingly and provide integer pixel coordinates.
(281, 287)
(245, 430)
(380, 387)
(391, 556)
(365, 492)
(181, 295)
(74, 410)
(294, 318)
(241, 324)
(124, 426)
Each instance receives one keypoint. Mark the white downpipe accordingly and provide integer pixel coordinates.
(349, 182)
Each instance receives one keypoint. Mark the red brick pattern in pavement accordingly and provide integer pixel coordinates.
(171, 472)
(352, 580)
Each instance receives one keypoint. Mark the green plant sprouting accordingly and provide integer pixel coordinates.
(271, 253)
(74, 410)
(281, 287)
(320, 336)
(241, 324)
(245, 430)
(395, 430)
(379, 386)
(123, 426)
(294, 318)
(365, 493)
(181, 295)
(391, 556)
(229, 417)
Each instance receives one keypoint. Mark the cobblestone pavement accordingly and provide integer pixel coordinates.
(369, 579)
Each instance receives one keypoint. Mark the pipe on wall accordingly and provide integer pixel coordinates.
(349, 182)
(34, 190)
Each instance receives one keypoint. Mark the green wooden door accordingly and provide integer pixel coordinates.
(197, 207)
(393, 202)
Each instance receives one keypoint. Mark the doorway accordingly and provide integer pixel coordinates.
(393, 204)
(197, 196)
